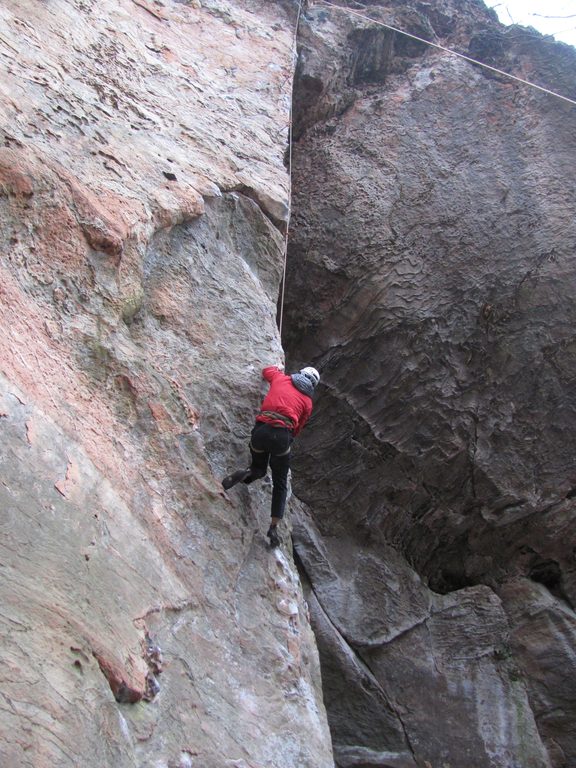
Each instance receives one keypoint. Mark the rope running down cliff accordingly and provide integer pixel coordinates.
(294, 60)
(449, 50)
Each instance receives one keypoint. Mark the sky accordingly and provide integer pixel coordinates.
(551, 17)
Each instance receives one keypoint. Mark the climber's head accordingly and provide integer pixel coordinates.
(311, 374)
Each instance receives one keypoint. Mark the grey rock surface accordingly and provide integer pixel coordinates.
(431, 280)
(144, 620)
(411, 676)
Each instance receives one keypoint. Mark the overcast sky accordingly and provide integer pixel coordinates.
(551, 17)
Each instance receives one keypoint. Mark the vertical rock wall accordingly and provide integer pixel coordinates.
(142, 189)
(431, 279)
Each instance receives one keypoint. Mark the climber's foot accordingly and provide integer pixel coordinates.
(236, 477)
(273, 536)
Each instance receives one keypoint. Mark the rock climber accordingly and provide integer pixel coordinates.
(283, 413)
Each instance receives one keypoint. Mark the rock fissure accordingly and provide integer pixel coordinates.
(166, 608)
(356, 654)
(473, 459)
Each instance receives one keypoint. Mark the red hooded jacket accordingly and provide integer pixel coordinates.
(284, 399)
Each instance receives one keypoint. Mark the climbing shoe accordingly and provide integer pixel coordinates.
(273, 536)
(236, 477)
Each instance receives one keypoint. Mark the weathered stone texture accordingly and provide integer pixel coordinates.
(431, 279)
(143, 196)
(409, 675)
(144, 622)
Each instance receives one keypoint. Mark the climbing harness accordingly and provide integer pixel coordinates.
(294, 61)
(449, 50)
(278, 417)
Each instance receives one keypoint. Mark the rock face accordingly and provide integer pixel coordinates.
(143, 201)
(144, 622)
(431, 280)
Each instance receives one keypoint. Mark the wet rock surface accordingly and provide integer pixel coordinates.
(144, 620)
(430, 279)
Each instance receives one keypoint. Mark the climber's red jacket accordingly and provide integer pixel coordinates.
(284, 400)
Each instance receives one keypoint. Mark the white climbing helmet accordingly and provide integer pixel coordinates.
(311, 374)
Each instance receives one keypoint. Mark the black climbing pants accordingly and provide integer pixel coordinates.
(270, 444)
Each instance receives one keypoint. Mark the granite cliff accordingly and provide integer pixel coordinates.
(426, 615)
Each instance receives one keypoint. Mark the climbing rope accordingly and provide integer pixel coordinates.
(294, 61)
(449, 50)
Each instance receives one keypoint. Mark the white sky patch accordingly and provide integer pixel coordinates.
(550, 17)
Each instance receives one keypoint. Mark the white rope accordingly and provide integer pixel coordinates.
(449, 50)
(294, 61)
